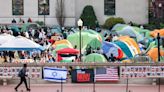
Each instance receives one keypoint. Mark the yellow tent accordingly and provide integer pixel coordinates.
(153, 53)
(65, 42)
(155, 32)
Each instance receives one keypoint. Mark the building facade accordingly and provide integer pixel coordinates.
(130, 10)
(157, 8)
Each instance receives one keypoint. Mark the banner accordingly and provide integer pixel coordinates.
(142, 71)
(23, 61)
(33, 72)
(82, 75)
(55, 74)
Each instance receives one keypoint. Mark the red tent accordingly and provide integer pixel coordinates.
(67, 51)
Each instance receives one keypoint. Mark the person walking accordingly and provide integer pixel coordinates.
(22, 74)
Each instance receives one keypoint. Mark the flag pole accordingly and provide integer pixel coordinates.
(94, 77)
(158, 39)
(127, 86)
(61, 85)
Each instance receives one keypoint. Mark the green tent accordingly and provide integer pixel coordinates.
(95, 43)
(24, 27)
(144, 32)
(86, 38)
(118, 27)
(95, 57)
(95, 33)
(151, 45)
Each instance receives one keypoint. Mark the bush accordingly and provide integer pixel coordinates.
(88, 16)
(110, 22)
(41, 23)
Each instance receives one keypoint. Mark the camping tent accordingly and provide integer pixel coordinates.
(111, 48)
(155, 32)
(125, 48)
(130, 31)
(58, 47)
(65, 42)
(131, 43)
(118, 27)
(153, 53)
(86, 38)
(95, 57)
(66, 51)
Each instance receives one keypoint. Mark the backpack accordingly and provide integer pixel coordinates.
(20, 73)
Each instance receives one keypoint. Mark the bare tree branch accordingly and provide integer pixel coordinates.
(60, 12)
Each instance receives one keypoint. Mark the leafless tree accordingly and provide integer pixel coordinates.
(60, 12)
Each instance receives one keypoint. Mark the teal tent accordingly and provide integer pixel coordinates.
(14, 28)
(124, 47)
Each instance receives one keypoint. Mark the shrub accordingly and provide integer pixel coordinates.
(88, 16)
(41, 23)
(110, 22)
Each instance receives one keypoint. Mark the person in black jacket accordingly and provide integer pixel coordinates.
(22, 75)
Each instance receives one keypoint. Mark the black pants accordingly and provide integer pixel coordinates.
(22, 79)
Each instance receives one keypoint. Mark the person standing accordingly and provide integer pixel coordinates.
(22, 74)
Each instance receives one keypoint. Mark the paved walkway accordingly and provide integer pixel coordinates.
(83, 88)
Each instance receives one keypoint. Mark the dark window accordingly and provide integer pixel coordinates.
(17, 7)
(43, 7)
(109, 7)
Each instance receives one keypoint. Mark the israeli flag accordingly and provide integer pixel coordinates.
(55, 74)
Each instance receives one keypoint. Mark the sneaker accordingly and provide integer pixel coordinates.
(28, 89)
(16, 89)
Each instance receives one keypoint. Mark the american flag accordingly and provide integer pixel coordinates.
(106, 74)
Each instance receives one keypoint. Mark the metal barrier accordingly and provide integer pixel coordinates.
(58, 64)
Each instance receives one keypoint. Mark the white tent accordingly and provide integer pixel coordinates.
(20, 43)
(5, 37)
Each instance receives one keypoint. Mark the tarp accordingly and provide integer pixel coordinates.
(155, 33)
(95, 57)
(5, 37)
(20, 43)
(111, 48)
